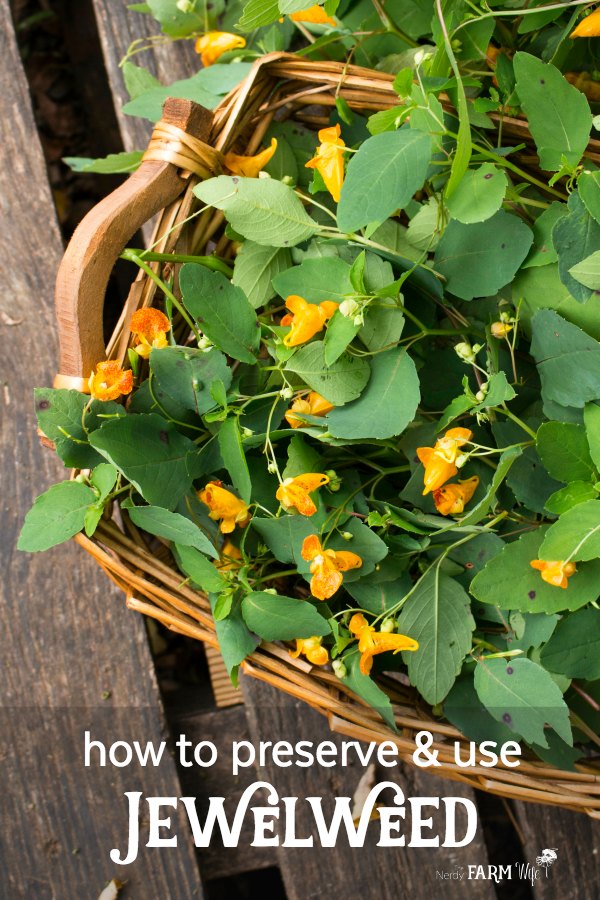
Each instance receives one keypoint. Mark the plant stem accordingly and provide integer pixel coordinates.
(211, 262)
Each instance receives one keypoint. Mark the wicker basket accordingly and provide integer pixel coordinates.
(187, 146)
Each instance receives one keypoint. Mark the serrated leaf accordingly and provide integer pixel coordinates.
(509, 582)
(400, 160)
(236, 641)
(481, 509)
(341, 331)
(104, 478)
(542, 252)
(279, 618)
(588, 185)
(438, 616)
(339, 383)
(591, 419)
(574, 648)
(255, 268)
(206, 87)
(182, 378)
(524, 697)
(162, 475)
(558, 114)
(222, 311)
(284, 536)
(203, 573)
(576, 534)
(55, 516)
(563, 449)
(113, 164)
(62, 418)
(479, 194)
(261, 209)
(388, 403)
(366, 688)
(587, 272)
(575, 237)
(477, 260)
(171, 526)
(257, 13)
(324, 278)
(570, 496)
(232, 452)
(568, 360)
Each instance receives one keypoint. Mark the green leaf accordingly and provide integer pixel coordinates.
(104, 478)
(383, 324)
(113, 164)
(591, 418)
(588, 185)
(574, 648)
(138, 79)
(575, 236)
(542, 252)
(479, 194)
(568, 360)
(222, 311)
(523, 696)
(55, 516)
(509, 582)
(478, 260)
(570, 496)
(558, 113)
(162, 475)
(67, 417)
(541, 288)
(261, 209)
(388, 403)
(203, 573)
(366, 688)
(563, 448)
(255, 268)
(277, 618)
(364, 542)
(206, 87)
(285, 536)
(182, 378)
(324, 278)
(236, 642)
(383, 176)
(174, 21)
(587, 272)
(171, 526)
(230, 445)
(302, 457)
(463, 708)
(257, 13)
(438, 616)
(576, 534)
(378, 597)
(341, 331)
(481, 509)
(339, 383)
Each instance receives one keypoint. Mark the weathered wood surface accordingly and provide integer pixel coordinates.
(72, 656)
(384, 872)
(118, 27)
(576, 839)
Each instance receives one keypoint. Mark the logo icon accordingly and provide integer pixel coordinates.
(546, 858)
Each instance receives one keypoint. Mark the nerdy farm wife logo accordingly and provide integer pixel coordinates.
(519, 871)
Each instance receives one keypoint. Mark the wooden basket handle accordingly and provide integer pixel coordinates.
(105, 231)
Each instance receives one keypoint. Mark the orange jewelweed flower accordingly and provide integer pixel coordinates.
(329, 160)
(440, 461)
(150, 326)
(214, 43)
(588, 27)
(225, 506)
(451, 499)
(500, 329)
(110, 381)
(296, 491)
(229, 558)
(555, 572)
(313, 405)
(250, 166)
(306, 320)
(371, 642)
(316, 15)
(312, 650)
(327, 566)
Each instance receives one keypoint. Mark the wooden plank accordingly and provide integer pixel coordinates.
(221, 727)
(118, 27)
(576, 840)
(72, 657)
(343, 871)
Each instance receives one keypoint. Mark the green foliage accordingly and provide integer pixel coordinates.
(55, 516)
(277, 618)
(255, 270)
(340, 383)
(171, 526)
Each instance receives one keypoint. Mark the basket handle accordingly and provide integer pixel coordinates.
(105, 231)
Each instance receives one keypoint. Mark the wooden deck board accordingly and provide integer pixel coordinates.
(72, 656)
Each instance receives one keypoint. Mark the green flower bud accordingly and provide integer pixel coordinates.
(339, 668)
